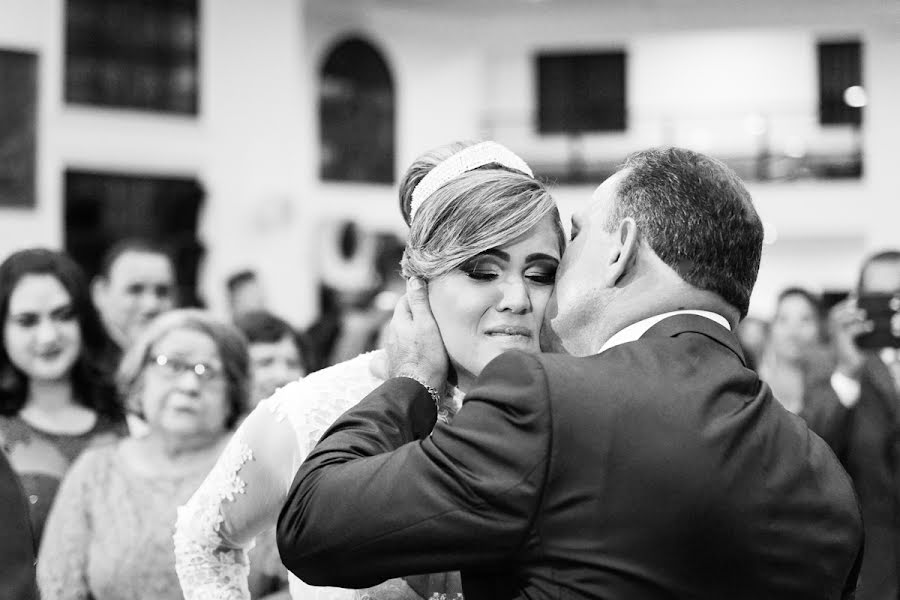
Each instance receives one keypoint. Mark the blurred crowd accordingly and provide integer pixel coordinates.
(115, 403)
(838, 368)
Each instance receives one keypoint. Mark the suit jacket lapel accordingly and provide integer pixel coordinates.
(676, 324)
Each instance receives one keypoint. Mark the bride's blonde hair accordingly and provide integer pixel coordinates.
(480, 209)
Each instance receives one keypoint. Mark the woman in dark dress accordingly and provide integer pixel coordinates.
(57, 395)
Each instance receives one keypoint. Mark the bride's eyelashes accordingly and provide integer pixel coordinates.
(542, 275)
(485, 270)
(480, 270)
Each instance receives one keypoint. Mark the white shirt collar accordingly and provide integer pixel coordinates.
(636, 330)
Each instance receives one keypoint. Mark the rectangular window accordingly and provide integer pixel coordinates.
(841, 95)
(581, 92)
(18, 123)
(104, 208)
(133, 54)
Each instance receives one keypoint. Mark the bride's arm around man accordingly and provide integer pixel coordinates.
(649, 462)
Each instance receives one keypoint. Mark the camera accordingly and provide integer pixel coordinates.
(884, 312)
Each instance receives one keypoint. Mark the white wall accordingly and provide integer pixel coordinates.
(36, 27)
(691, 88)
(259, 133)
(817, 263)
(882, 74)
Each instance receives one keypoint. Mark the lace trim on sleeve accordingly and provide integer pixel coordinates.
(208, 567)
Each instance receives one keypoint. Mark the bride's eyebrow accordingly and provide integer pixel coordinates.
(495, 252)
(540, 256)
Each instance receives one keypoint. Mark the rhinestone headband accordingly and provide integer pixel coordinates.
(470, 158)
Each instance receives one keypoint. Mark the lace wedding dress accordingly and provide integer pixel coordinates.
(243, 494)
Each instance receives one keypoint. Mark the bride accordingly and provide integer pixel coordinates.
(487, 238)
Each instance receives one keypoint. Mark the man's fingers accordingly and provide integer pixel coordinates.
(402, 314)
(417, 297)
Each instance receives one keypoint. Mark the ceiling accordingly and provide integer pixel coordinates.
(879, 11)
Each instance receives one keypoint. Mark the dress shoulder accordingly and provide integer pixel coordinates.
(245, 490)
(313, 403)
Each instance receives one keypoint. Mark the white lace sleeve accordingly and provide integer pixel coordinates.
(240, 495)
(244, 492)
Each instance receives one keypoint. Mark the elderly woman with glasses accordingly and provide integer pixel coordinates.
(109, 534)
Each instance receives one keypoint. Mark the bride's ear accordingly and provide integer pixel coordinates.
(623, 253)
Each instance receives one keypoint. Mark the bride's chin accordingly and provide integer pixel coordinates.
(516, 342)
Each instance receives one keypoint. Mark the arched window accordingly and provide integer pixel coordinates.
(356, 114)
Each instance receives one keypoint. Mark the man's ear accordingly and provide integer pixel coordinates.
(623, 254)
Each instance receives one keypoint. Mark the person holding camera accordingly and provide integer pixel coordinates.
(865, 388)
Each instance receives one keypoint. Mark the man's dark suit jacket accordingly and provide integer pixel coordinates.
(16, 544)
(660, 468)
(867, 440)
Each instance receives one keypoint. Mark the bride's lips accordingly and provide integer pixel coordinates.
(509, 330)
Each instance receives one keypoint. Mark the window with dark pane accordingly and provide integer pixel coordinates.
(18, 123)
(103, 208)
(135, 54)
(581, 92)
(356, 114)
(840, 70)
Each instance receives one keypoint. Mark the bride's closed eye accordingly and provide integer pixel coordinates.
(543, 275)
(480, 269)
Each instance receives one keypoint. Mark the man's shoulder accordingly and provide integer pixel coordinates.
(620, 358)
(615, 362)
(551, 374)
(515, 363)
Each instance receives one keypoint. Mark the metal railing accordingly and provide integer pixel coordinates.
(786, 145)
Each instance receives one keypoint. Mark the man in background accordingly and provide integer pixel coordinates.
(245, 293)
(136, 283)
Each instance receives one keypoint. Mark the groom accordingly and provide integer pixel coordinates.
(656, 465)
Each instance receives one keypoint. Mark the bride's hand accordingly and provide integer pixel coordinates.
(414, 345)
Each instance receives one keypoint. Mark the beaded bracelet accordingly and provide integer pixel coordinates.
(435, 395)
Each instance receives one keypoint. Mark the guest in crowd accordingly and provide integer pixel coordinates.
(245, 293)
(16, 550)
(135, 284)
(276, 359)
(276, 355)
(753, 334)
(322, 335)
(795, 357)
(109, 536)
(865, 396)
(57, 395)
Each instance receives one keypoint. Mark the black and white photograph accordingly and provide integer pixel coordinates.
(449, 300)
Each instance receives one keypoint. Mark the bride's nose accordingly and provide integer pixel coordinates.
(514, 296)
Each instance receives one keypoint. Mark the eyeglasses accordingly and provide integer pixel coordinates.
(172, 367)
